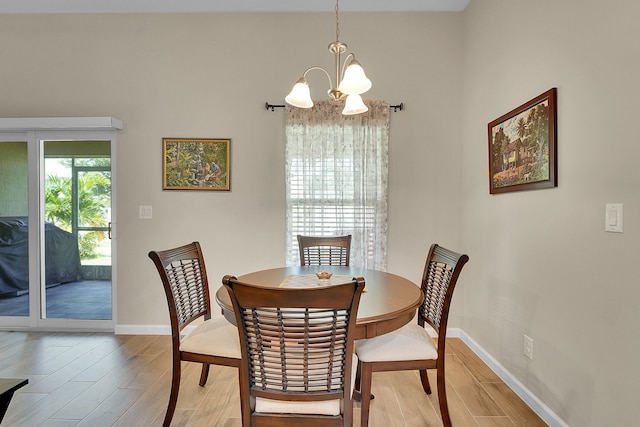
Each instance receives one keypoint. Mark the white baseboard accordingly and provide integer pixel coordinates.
(142, 330)
(518, 388)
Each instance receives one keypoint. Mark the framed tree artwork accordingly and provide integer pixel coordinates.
(523, 146)
(196, 164)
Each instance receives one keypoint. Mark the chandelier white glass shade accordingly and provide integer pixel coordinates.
(354, 105)
(351, 81)
(300, 95)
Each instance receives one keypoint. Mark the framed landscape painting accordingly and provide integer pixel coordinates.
(522, 147)
(196, 164)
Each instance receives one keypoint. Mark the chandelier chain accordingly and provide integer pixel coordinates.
(337, 23)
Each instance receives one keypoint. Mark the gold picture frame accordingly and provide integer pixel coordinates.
(196, 164)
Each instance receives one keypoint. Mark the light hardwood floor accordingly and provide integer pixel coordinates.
(107, 380)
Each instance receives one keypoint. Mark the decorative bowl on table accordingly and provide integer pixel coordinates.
(324, 275)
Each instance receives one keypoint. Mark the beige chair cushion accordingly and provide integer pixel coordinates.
(327, 407)
(411, 342)
(215, 337)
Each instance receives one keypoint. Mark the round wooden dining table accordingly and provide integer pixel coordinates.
(388, 303)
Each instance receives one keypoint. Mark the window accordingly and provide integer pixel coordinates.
(336, 168)
(78, 200)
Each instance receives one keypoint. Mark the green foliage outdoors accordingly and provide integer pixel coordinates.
(94, 190)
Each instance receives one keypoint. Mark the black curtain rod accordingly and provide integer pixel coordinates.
(273, 107)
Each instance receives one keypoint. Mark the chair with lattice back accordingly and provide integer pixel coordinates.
(411, 347)
(298, 363)
(214, 341)
(333, 250)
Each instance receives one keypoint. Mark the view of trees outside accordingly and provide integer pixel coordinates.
(520, 148)
(94, 204)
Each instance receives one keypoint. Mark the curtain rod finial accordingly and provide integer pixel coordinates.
(272, 107)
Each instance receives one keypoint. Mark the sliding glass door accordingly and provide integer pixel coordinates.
(57, 257)
(77, 211)
(14, 230)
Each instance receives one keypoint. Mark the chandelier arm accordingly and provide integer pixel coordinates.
(326, 73)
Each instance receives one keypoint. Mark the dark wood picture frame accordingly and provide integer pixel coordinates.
(196, 164)
(523, 146)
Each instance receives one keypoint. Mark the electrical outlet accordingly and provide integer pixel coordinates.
(528, 347)
(145, 212)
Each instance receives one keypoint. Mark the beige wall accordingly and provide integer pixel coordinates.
(209, 75)
(541, 262)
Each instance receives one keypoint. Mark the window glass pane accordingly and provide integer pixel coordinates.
(14, 233)
(78, 205)
(94, 198)
(58, 192)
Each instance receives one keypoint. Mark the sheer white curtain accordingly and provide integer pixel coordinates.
(336, 169)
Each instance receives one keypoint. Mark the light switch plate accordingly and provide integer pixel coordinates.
(613, 217)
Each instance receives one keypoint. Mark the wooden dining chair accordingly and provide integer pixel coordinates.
(298, 363)
(214, 341)
(411, 347)
(334, 250)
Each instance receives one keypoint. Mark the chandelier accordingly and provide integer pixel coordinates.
(351, 81)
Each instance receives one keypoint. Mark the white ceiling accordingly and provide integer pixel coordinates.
(168, 6)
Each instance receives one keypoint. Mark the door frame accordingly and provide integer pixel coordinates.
(34, 131)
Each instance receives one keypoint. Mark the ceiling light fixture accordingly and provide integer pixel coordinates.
(350, 80)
